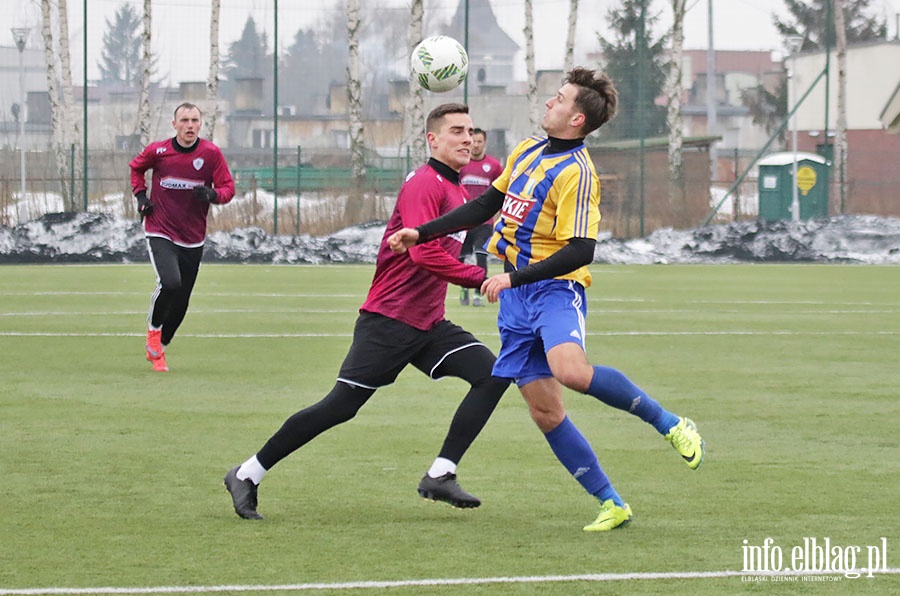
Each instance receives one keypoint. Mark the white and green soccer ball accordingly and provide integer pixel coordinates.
(439, 63)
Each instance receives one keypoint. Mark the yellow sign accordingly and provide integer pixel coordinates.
(806, 179)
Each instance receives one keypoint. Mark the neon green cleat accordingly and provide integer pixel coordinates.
(611, 517)
(687, 441)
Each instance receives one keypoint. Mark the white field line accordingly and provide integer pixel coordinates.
(213, 294)
(194, 311)
(362, 295)
(860, 310)
(598, 577)
(736, 332)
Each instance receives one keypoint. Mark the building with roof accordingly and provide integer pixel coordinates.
(491, 50)
(872, 176)
(735, 72)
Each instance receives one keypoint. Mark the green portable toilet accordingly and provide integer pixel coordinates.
(776, 176)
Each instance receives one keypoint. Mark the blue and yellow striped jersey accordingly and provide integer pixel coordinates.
(549, 200)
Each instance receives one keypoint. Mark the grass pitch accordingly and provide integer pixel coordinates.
(112, 474)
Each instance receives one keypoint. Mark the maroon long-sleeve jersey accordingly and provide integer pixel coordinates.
(477, 175)
(412, 287)
(177, 215)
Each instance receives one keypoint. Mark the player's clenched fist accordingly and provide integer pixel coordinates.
(492, 286)
(402, 239)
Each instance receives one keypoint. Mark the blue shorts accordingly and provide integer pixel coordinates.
(534, 318)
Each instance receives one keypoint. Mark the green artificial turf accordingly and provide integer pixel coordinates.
(111, 475)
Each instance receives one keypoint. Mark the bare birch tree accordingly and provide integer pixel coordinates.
(415, 119)
(71, 127)
(569, 60)
(57, 109)
(212, 77)
(355, 206)
(534, 115)
(146, 71)
(674, 88)
(840, 138)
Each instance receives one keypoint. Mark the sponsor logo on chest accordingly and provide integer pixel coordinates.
(517, 208)
(173, 183)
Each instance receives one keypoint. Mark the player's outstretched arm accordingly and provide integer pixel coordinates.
(402, 239)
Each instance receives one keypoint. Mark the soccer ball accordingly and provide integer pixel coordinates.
(440, 63)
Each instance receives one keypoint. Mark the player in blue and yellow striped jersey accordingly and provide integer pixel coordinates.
(548, 196)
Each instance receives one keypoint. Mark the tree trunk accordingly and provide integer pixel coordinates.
(354, 211)
(146, 70)
(674, 90)
(569, 60)
(212, 78)
(534, 115)
(840, 138)
(71, 126)
(57, 110)
(415, 125)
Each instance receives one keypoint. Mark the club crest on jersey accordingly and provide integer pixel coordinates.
(517, 208)
(198, 163)
(486, 167)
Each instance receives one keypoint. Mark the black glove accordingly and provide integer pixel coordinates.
(145, 206)
(205, 193)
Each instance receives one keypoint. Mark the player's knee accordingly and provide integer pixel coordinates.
(494, 386)
(172, 284)
(546, 418)
(344, 401)
(574, 377)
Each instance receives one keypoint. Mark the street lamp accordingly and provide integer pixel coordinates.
(20, 34)
(794, 43)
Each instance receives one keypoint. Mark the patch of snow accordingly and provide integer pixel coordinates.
(98, 237)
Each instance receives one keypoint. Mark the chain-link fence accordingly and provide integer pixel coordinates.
(282, 81)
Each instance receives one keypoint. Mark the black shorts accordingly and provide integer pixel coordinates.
(475, 239)
(382, 347)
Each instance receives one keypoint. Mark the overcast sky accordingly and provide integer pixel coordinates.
(181, 42)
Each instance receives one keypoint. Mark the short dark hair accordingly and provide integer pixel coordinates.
(479, 131)
(436, 116)
(597, 97)
(187, 106)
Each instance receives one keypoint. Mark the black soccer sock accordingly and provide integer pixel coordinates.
(340, 405)
(481, 259)
(473, 365)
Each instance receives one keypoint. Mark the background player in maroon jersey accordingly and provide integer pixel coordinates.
(400, 323)
(476, 177)
(189, 174)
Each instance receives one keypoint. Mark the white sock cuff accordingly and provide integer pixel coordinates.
(441, 466)
(251, 469)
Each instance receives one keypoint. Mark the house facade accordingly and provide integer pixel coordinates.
(735, 71)
(873, 75)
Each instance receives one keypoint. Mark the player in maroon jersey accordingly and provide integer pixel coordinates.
(402, 322)
(476, 177)
(189, 174)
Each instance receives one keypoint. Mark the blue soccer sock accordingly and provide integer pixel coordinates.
(576, 455)
(615, 389)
